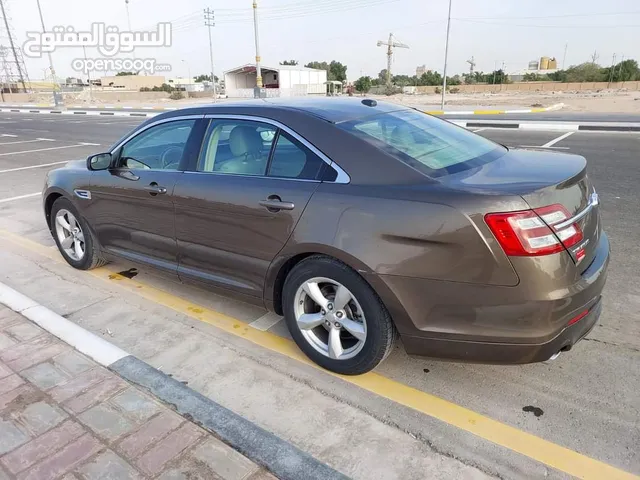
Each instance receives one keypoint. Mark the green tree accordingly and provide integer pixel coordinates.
(204, 78)
(382, 76)
(455, 80)
(496, 77)
(430, 78)
(585, 72)
(402, 80)
(289, 62)
(125, 74)
(623, 71)
(337, 71)
(363, 84)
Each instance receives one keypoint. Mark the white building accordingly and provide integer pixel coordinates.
(280, 81)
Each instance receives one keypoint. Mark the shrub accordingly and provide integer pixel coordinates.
(454, 90)
(438, 90)
(176, 96)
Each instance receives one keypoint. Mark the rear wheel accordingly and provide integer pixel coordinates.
(335, 317)
(75, 240)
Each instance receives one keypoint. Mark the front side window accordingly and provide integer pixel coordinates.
(240, 147)
(426, 143)
(158, 148)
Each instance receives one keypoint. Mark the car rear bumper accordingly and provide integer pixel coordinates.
(493, 324)
(504, 353)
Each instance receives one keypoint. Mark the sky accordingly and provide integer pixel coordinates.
(494, 32)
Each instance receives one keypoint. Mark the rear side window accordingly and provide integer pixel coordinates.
(291, 159)
(426, 143)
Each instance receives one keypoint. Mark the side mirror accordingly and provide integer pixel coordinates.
(99, 161)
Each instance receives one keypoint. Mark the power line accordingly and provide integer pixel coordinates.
(543, 26)
(634, 12)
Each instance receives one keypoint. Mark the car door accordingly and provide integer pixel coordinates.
(131, 207)
(237, 207)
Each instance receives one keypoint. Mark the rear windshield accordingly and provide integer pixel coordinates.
(430, 145)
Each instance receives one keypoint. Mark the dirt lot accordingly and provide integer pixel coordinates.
(604, 101)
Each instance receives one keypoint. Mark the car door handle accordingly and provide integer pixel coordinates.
(155, 189)
(274, 205)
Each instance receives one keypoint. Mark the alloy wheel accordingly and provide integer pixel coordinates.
(330, 318)
(70, 234)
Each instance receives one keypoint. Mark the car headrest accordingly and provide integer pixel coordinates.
(245, 140)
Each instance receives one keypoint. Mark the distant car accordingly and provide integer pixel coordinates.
(355, 219)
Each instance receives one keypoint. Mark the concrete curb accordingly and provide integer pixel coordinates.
(555, 126)
(551, 108)
(80, 112)
(84, 107)
(281, 458)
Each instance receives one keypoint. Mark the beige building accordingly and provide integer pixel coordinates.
(133, 82)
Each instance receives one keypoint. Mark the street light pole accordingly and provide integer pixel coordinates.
(255, 28)
(53, 72)
(126, 4)
(446, 55)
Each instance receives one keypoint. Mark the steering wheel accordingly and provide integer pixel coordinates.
(170, 158)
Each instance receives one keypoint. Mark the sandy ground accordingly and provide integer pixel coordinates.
(603, 101)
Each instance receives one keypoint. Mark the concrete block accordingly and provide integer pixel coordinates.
(64, 460)
(10, 436)
(10, 383)
(24, 331)
(135, 404)
(73, 363)
(40, 417)
(106, 422)
(6, 341)
(107, 466)
(42, 447)
(166, 450)
(154, 430)
(45, 376)
(224, 460)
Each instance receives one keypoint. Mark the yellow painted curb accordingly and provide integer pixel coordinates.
(544, 451)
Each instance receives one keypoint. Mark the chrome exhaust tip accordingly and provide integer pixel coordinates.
(555, 355)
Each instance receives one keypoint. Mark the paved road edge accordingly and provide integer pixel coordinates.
(281, 458)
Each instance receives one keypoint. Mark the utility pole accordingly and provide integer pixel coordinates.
(257, 38)
(613, 62)
(126, 4)
(390, 46)
(594, 57)
(209, 18)
(12, 45)
(446, 56)
(53, 71)
(564, 57)
(472, 66)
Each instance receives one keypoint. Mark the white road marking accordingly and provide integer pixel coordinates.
(6, 200)
(88, 143)
(8, 135)
(28, 141)
(556, 140)
(266, 321)
(45, 149)
(33, 166)
(478, 130)
(538, 146)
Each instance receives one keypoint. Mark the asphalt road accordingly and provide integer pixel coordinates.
(588, 399)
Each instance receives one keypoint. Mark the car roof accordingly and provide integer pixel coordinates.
(331, 109)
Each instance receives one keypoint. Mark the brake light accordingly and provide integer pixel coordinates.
(534, 232)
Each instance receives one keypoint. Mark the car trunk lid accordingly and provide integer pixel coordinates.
(543, 179)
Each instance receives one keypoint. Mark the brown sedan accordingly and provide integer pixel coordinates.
(357, 220)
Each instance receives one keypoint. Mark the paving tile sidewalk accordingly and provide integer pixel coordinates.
(62, 416)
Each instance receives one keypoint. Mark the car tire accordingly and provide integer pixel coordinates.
(364, 308)
(92, 256)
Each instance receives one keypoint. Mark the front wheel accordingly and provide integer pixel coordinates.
(74, 238)
(335, 317)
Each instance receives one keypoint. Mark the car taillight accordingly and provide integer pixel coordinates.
(535, 232)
